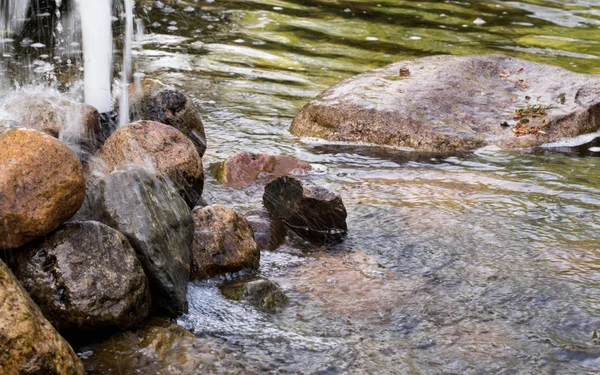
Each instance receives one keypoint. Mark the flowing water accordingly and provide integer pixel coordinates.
(487, 263)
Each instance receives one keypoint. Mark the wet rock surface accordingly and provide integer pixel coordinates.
(41, 185)
(158, 224)
(160, 149)
(85, 277)
(244, 168)
(29, 343)
(161, 347)
(268, 234)
(73, 123)
(223, 242)
(452, 103)
(258, 292)
(312, 212)
(152, 100)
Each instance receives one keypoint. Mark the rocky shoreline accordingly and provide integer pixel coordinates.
(105, 231)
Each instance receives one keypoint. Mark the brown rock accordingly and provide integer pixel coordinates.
(56, 115)
(29, 343)
(161, 347)
(244, 168)
(152, 100)
(41, 185)
(312, 212)
(160, 149)
(223, 242)
(85, 277)
(453, 103)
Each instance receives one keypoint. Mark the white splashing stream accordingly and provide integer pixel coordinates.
(96, 21)
(127, 61)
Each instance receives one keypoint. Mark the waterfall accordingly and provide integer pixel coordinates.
(127, 61)
(96, 25)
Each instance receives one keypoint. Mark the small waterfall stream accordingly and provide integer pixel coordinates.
(96, 21)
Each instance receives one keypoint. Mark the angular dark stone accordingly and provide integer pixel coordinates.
(268, 234)
(314, 213)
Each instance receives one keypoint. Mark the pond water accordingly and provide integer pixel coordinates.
(479, 264)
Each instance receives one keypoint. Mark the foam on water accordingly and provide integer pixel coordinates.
(572, 142)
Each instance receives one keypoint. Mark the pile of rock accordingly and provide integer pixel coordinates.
(100, 240)
(99, 244)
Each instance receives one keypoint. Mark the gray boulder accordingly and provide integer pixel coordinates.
(452, 103)
(158, 224)
(85, 277)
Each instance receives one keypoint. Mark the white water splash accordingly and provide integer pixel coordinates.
(96, 25)
(127, 65)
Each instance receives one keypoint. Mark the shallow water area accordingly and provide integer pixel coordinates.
(472, 264)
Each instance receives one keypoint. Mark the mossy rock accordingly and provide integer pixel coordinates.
(256, 291)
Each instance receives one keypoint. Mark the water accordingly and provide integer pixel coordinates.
(97, 52)
(484, 263)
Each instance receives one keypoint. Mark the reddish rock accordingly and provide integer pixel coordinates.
(160, 149)
(244, 168)
(41, 185)
(223, 242)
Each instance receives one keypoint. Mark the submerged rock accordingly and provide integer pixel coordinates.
(268, 234)
(160, 149)
(41, 185)
(85, 277)
(312, 212)
(152, 100)
(451, 103)
(161, 347)
(54, 114)
(29, 343)
(223, 242)
(158, 224)
(256, 291)
(244, 168)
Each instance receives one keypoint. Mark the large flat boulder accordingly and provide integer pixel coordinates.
(452, 103)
